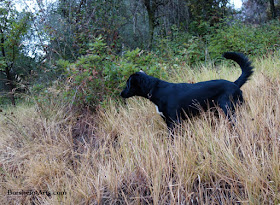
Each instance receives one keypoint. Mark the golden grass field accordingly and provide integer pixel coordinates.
(122, 154)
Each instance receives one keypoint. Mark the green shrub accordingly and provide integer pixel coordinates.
(248, 39)
(210, 43)
(182, 48)
(194, 50)
(230, 35)
(100, 74)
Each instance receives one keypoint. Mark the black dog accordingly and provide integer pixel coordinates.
(176, 100)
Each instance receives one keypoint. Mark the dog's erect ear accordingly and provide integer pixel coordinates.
(128, 84)
(132, 80)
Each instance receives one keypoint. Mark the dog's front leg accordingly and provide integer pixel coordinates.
(171, 130)
(171, 125)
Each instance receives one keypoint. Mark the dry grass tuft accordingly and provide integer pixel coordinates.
(123, 154)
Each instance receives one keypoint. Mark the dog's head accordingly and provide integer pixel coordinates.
(133, 85)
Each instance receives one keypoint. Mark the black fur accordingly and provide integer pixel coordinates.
(176, 100)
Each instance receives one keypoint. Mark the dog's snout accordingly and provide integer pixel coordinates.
(122, 94)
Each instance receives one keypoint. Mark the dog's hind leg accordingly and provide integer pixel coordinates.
(228, 109)
(228, 105)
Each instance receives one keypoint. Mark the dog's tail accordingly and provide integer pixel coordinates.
(244, 63)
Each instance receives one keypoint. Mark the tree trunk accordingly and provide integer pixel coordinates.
(151, 30)
(10, 85)
(151, 8)
(272, 9)
(9, 78)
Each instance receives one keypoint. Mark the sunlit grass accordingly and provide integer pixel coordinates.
(122, 154)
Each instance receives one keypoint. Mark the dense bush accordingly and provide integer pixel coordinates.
(228, 36)
(101, 74)
(249, 39)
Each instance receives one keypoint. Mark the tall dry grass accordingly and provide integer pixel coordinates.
(123, 155)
